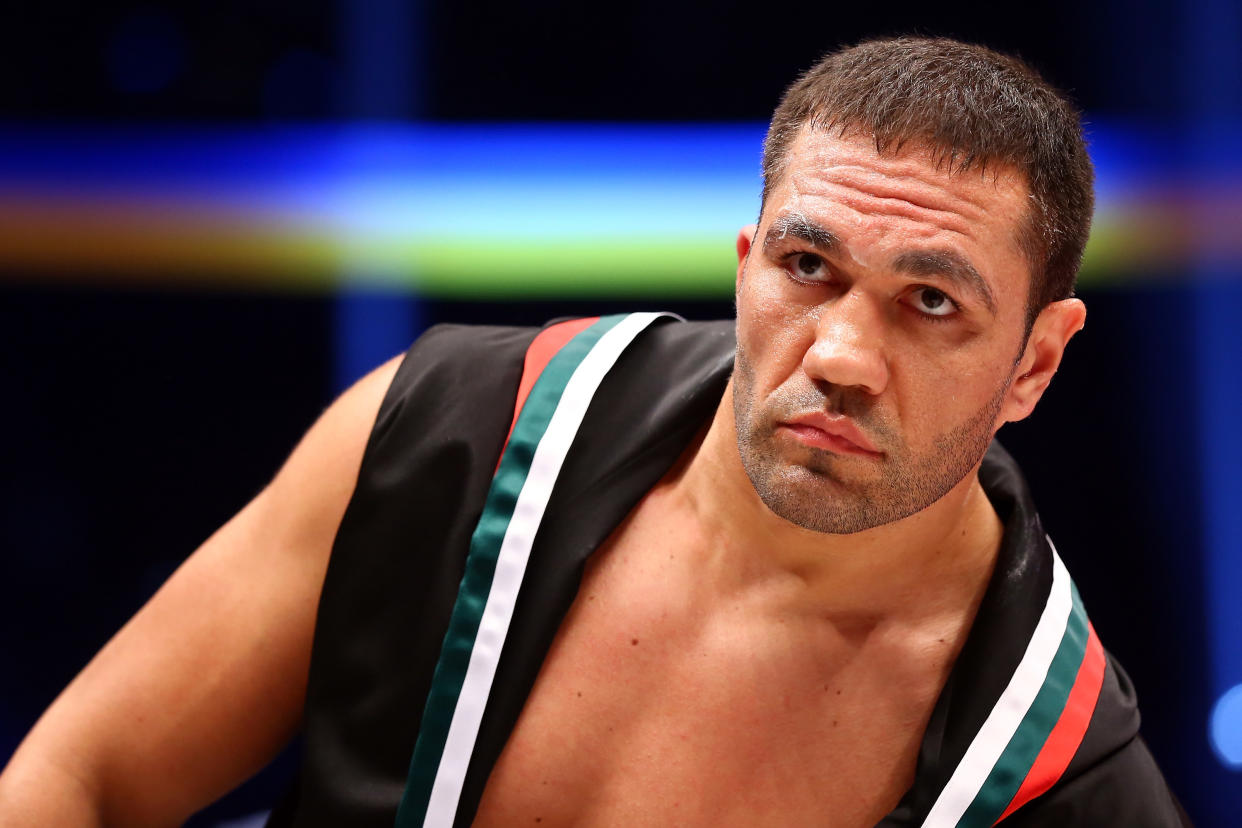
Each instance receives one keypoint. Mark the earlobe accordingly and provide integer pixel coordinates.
(1054, 327)
(745, 237)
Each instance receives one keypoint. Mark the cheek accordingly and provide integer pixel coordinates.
(940, 396)
(774, 330)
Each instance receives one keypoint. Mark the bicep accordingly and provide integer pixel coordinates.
(206, 682)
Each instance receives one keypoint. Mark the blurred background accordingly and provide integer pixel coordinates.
(214, 216)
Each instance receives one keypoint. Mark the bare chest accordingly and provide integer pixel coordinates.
(650, 711)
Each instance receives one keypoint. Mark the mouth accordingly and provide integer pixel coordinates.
(832, 433)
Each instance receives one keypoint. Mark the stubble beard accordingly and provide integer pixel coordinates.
(820, 491)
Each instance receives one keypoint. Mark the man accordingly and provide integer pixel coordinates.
(668, 585)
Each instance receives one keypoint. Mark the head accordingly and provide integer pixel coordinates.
(975, 108)
(907, 289)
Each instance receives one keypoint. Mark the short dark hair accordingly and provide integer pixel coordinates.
(974, 107)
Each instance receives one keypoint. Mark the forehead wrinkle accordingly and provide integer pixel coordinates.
(917, 161)
(908, 178)
(947, 217)
(916, 186)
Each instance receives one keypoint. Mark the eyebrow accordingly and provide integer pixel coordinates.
(798, 226)
(945, 264)
(948, 265)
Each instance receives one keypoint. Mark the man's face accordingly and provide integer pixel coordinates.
(880, 319)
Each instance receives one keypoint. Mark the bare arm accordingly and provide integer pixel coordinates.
(206, 682)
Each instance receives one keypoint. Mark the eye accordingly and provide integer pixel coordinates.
(933, 302)
(807, 267)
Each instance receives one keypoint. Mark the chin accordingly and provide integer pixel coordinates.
(814, 498)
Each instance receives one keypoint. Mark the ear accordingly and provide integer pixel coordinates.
(1052, 331)
(745, 237)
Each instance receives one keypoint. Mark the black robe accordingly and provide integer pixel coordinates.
(400, 554)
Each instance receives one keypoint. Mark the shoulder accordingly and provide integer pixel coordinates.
(1124, 788)
(1112, 778)
(469, 365)
(1087, 763)
(477, 353)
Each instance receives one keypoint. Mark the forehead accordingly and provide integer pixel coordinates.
(878, 202)
(915, 171)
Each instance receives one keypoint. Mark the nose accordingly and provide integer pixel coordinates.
(848, 350)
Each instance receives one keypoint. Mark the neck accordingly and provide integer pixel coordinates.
(937, 560)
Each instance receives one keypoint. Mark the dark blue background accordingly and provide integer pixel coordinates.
(138, 420)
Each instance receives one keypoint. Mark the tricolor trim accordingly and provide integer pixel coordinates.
(1065, 738)
(1038, 722)
(546, 344)
(541, 435)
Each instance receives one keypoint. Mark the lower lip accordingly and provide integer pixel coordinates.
(820, 439)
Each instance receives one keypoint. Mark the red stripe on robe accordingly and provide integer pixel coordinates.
(539, 353)
(1067, 734)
